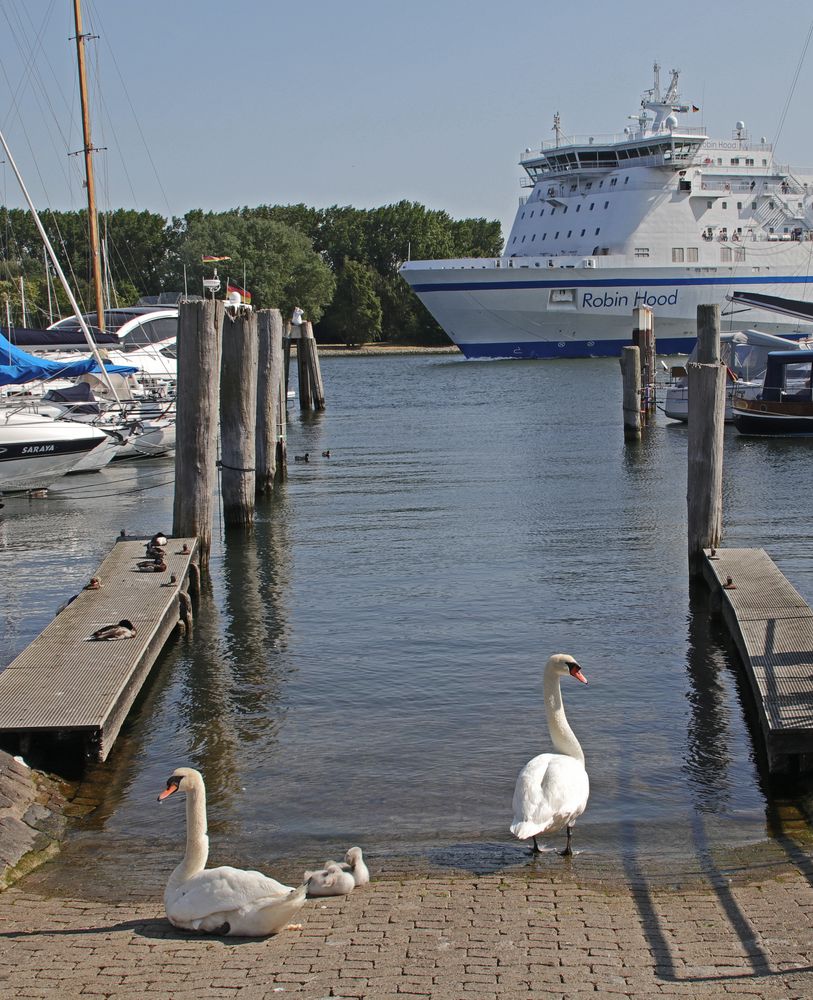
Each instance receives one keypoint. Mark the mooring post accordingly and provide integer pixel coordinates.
(269, 386)
(303, 372)
(643, 337)
(310, 355)
(200, 327)
(631, 399)
(704, 484)
(238, 415)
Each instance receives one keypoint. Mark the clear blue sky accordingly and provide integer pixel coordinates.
(365, 102)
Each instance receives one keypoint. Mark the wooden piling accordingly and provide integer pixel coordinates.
(704, 487)
(310, 355)
(200, 326)
(643, 337)
(270, 409)
(631, 380)
(238, 415)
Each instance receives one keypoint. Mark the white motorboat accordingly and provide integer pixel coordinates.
(659, 215)
(35, 450)
(745, 354)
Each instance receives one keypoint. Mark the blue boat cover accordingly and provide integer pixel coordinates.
(18, 367)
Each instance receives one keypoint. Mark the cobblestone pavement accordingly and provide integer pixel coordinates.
(552, 929)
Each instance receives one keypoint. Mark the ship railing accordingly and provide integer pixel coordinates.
(612, 139)
(755, 187)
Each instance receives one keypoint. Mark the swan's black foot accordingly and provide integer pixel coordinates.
(222, 930)
(568, 850)
(536, 849)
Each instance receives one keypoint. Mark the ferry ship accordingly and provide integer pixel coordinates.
(659, 215)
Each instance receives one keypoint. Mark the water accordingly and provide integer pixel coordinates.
(367, 667)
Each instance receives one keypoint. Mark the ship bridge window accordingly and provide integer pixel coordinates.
(678, 255)
(639, 251)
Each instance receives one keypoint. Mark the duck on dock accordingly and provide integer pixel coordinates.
(303, 458)
(123, 630)
(94, 584)
(159, 539)
(156, 565)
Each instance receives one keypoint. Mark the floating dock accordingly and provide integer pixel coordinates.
(65, 686)
(772, 626)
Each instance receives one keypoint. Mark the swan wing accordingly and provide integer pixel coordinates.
(551, 792)
(216, 891)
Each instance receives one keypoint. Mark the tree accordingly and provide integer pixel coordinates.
(355, 313)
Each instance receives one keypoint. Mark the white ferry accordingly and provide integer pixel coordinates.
(658, 216)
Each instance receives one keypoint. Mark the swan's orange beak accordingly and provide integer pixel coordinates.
(576, 671)
(172, 786)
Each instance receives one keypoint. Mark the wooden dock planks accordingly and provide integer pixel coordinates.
(63, 683)
(772, 626)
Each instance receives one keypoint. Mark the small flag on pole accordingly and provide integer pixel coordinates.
(209, 259)
(695, 107)
(244, 295)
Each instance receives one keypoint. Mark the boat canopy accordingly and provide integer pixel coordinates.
(17, 367)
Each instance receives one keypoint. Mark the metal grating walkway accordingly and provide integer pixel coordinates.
(772, 626)
(63, 683)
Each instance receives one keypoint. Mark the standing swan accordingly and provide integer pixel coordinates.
(552, 789)
(220, 900)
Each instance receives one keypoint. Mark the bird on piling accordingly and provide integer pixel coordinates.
(552, 789)
(221, 900)
(302, 458)
(123, 630)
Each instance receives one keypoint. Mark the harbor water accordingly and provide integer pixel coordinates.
(366, 667)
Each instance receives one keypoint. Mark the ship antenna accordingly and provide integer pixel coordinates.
(656, 89)
(557, 128)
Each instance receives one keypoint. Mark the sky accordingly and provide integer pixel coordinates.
(198, 104)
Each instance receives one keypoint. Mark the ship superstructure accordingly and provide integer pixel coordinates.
(658, 215)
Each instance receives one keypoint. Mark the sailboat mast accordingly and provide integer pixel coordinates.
(93, 219)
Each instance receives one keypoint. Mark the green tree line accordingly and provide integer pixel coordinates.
(339, 264)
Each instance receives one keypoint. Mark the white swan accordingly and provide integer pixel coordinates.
(354, 863)
(552, 789)
(220, 900)
(331, 880)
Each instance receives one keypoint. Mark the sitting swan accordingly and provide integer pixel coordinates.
(220, 900)
(552, 789)
(331, 880)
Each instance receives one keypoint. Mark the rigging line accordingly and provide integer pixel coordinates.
(118, 493)
(137, 123)
(793, 84)
(114, 483)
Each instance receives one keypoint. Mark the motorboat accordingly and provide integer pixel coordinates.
(658, 215)
(783, 407)
(36, 450)
(745, 355)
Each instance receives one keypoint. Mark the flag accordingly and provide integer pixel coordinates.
(695, 107)
(209, 259)
(244, 295)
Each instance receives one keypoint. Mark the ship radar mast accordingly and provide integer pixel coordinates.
(557, 128)
(661, 106)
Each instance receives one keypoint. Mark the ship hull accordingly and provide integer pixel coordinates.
(578, 313)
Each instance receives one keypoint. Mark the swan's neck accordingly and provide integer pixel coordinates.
(197, 842)
(561, 734)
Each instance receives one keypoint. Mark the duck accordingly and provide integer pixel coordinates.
(154, 551)
(355, 864)
(331, 880)
(123, 630)
(326, 454)
(552, 788)
(159, 539)
(303, 458)
(224, 901)
(156, 565)
(95, 583)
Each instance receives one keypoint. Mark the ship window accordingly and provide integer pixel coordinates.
(588, 185)
(544, 236)
(542, 212)
(606, 204)
(581, 233)
(556, 235)
(709, 204)
(613, 182)
(764, 163)
(719, 161)
(578, 208)
(514, 240)
(725, 254)
(626, 180)
(735, 161)
(523, 239)
(725, 204)
(569, 233)
(533, 237)
(639, 251)
(748, 162)
(691, 255)
(592, 203)
(771, 205)
(601, 184)
(573, 187)
(739, 204)
(677, 255)
(739, 253)
(564, 210)
(598, 231)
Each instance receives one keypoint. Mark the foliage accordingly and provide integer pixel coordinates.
(354, 315)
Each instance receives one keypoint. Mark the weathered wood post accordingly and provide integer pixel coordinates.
(200, 328)
(238, 415)
(631, 399)
(704, 484)
(643, 337)
(310, 360)
(303, 377)
(270, 414)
